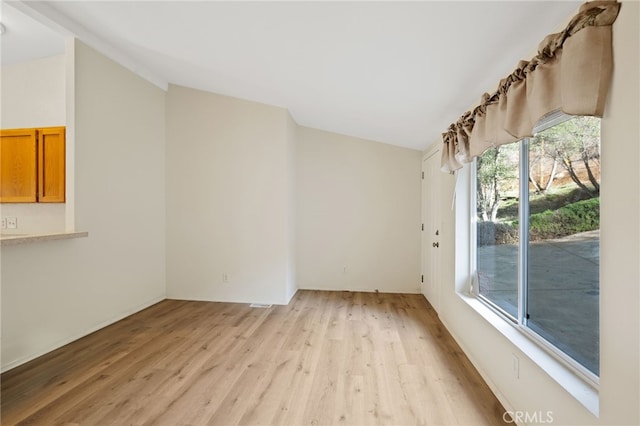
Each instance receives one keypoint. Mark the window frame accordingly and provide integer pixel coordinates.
(520, 322)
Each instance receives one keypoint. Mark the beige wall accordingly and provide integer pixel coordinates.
(33, 95)
(358, 206)
(228, 198)
(235, 207)
(291, 220)
(488, 347)
(232, 200)
(55, 292)
(228, 181)
(620, 230)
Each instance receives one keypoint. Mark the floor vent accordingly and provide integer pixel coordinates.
(259, 305)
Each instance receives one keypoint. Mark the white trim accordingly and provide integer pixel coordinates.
(291, 296)
(357, 290)
(523, 231)
(506, 404)
(562, 357)
(551, 119)
(573, 377)
(48, 15)
(70, 136)
(582, 390)
(27, 7)
(432, 149)
(434, 293)
(474, 282)
(61, 343)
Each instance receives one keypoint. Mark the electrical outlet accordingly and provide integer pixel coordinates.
(12, 223)
(225, 277)
(4, 223)
(515, 366)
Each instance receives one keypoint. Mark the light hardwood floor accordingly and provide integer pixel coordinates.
(328, 358)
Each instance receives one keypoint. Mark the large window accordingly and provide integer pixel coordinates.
(537, 238)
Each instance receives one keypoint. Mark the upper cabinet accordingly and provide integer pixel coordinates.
(51, 165)
(32, 165)
(18, 166)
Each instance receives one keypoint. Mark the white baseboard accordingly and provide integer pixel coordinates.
(494, 389)
(59, 344)
(292, 295)
(366, 290)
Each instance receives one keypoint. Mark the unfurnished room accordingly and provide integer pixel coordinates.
(320, 213)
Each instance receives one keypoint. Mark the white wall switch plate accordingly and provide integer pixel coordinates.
(12, 223)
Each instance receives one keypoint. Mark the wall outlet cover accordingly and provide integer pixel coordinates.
(12, 223)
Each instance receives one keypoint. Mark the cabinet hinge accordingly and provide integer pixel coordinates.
(422, 227)
(421, 278)
(422, 175)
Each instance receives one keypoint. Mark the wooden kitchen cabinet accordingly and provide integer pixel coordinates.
(32, 165)
(18, 166)
(51, 165)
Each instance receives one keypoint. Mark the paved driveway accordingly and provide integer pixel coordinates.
(563, 290)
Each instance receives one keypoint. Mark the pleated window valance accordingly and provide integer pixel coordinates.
(571, 73)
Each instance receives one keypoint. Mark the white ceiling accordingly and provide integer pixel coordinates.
(26, 39)
(395, 72)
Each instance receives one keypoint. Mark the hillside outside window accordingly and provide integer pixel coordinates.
(537, 234)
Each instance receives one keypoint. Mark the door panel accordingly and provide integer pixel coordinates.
(51, 171)
(18, 166)
(431, 232)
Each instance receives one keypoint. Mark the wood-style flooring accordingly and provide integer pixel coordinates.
(328, 358)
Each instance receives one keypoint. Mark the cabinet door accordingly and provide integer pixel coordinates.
(51, 165)
(18, 166)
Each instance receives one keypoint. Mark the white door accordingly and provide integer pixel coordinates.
(431, 230)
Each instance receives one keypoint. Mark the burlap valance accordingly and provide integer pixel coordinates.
(571, 72)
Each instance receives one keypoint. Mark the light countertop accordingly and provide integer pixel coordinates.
(15, 239)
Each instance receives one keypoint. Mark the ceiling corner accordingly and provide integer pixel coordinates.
(49, 16)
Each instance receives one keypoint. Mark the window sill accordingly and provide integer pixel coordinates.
(16, 239)
(575, 385)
